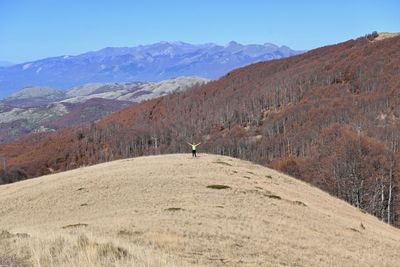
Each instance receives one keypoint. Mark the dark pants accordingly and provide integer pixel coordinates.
(193, 153)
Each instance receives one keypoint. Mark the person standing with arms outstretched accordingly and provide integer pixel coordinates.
(193, 148)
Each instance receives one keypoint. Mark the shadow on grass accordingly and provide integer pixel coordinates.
(74, 225)
(273, 196)
(218, 186)
(299, 203)
(173, 209)
(222, 163)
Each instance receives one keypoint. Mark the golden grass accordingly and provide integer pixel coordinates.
(158, 211)
(385, 35)
(78, 250)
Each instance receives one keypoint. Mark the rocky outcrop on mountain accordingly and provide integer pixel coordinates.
(133, 92)
(34, 96)
(36, 92)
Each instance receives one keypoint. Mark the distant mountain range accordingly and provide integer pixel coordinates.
(155, 62)
(330, 116)
(40, 109)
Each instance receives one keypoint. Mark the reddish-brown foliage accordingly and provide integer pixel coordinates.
(330, 116)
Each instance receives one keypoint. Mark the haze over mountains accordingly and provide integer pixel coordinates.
(57, 90)
(155, 62)
(329, 116)
(4, 63)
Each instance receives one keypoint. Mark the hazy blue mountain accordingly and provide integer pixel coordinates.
(155, 62)
(4, 63)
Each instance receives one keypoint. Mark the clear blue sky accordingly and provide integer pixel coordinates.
(34, 29)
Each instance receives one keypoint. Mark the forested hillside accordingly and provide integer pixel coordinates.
(329, 117)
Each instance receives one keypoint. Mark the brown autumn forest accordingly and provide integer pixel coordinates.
(330, 117)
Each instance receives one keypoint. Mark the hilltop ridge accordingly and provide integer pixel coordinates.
(211, 210)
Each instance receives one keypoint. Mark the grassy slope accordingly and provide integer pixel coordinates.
(158, 211)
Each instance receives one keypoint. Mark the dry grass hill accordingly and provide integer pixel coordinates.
(330, 117)
(172, 210)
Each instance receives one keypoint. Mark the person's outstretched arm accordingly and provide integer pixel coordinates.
(198, 144)
(189, 143)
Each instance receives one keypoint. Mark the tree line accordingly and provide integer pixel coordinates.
(329, 117)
